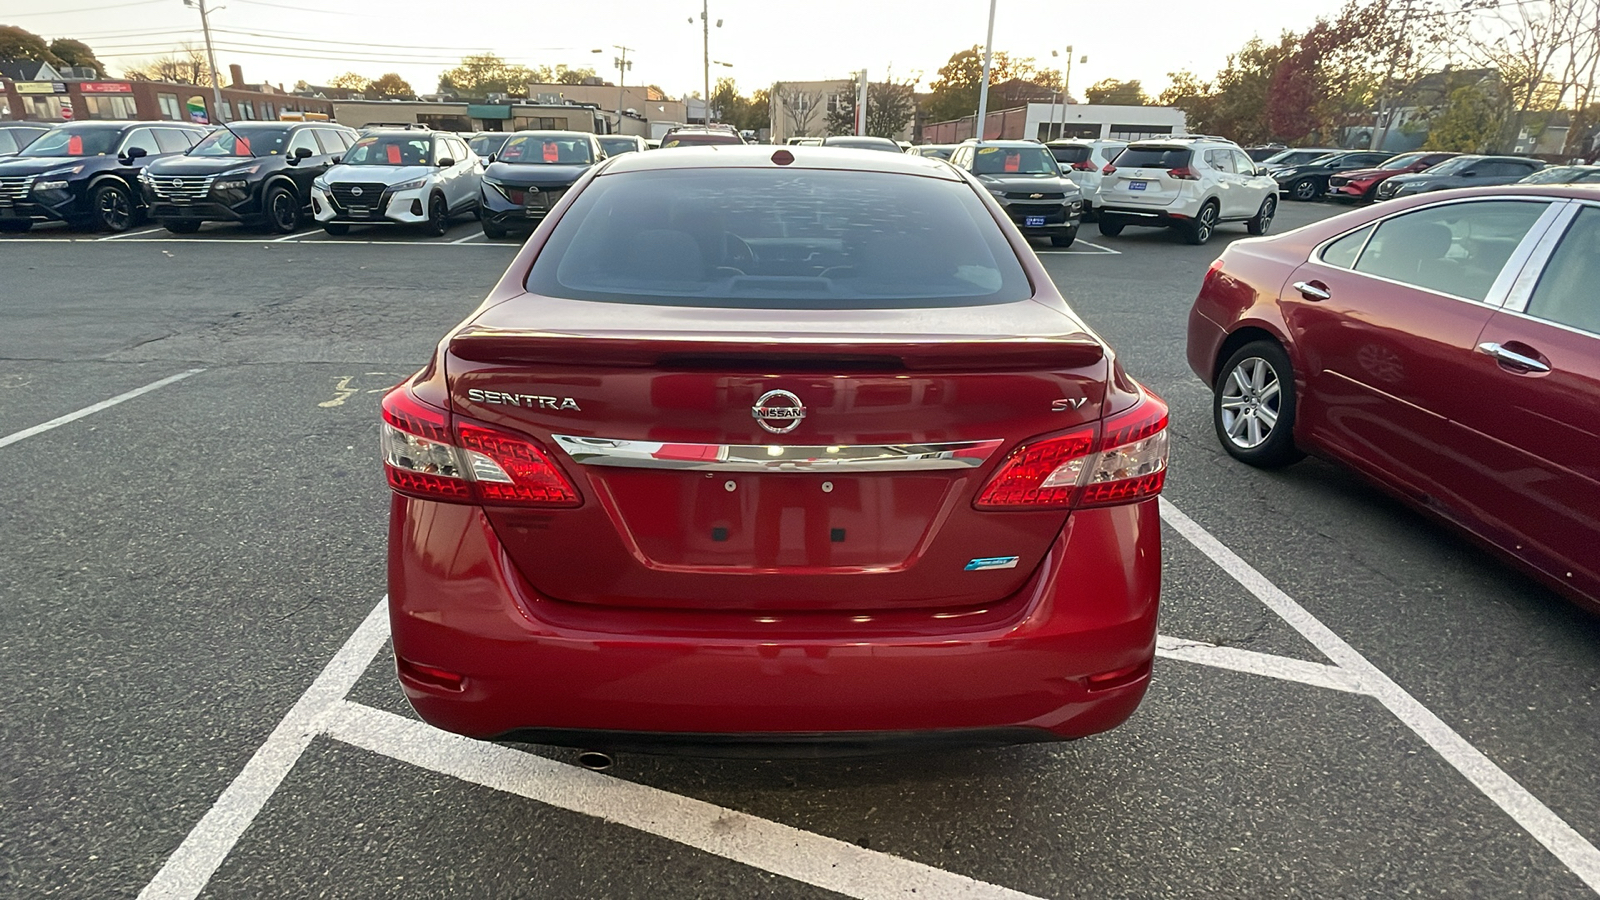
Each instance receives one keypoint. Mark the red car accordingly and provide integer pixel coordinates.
(1447, 346)
(758, 449)
(1362, 184)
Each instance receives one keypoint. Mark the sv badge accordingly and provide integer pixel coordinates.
(1064, 404)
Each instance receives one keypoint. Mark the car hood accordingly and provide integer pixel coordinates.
(379, 174)
(1414, 177)
(533, 174)
(1036, 183)
(39, 165)
(202, 165)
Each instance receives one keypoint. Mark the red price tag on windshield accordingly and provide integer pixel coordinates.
(393, 154)
(1013, 162)
(74, 145)
(551, 154)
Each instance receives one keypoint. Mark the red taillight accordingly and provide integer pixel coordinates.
(432, 676)
(1126, 464)
(1183, 173)
(429, 453)
(1083, 167)
(1108, 170)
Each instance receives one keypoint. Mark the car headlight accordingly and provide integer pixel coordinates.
(998, 192)
(408, 185)
(59, 185)
(1411, 185)
(492, 183)
(233, 184)
(320, 185)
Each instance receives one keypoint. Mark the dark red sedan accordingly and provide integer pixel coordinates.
(1362, 184)
(753, 450)
(1447, 346)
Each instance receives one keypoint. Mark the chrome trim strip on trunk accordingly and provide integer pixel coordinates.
(595, 451)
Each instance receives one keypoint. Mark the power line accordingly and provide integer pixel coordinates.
(82, 9)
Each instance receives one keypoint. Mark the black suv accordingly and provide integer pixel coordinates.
(83, 173)
(530, 174)
(1024, 178)
(1309, 180)
(14, 136)
(254, 173)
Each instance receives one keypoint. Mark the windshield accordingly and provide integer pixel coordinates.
(74, 142)
(390, 150)
(1014, 161)
(779, 239)
(546, 150)
(1563, 175)
(1452, 166)
(485, 144)
(616, 145)
(936, 152)
(252, 142)
(1404, 161)
(697, 138)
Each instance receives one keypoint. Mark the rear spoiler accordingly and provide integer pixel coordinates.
(819, 352)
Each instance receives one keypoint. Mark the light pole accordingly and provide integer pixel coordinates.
(1066, 87)
(705, 36)
(211, 56)
(983, 90)
(623, 65)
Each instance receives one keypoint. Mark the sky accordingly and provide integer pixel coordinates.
(763, 40)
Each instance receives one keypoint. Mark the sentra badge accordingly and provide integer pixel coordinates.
(531, 401)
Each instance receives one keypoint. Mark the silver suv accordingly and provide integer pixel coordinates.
(1190, 183)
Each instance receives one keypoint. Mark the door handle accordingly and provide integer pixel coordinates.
(1311, 291)
(1513, 357)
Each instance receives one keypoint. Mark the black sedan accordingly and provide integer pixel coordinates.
(84, 173)
(529, 176)
(255, 173)
(1308, 181)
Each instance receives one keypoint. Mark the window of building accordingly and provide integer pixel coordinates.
(833, 103)
(247, 109)
(227, 111)
(110, 107)
(1138, 132)
(537, 123)
(266, 109)
(440, 122)
(170, 110)
(44, 107)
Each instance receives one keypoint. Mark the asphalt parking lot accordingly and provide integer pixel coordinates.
(1350, 701)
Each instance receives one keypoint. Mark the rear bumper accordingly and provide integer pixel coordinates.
(1204, 342)
(541, 669)
(1142, 215)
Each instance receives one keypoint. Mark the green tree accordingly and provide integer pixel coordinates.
(1197, 99)
(564, 75)
(349, 81)
(15, 43)
(390, 85)
(77, 53)
(1469, 121)
(1110, 91)
(954, 93)
(890, 108)
(485, 73)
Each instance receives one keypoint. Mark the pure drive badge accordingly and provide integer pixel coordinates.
(991, 562)
(531, 401)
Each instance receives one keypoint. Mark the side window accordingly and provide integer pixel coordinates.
(328, 140)
(171, 140)
(441, 149)
(1221, 160)
(1454, 248)
(1242, 163)
(7, 143)
(304, 138)
(140, 137)
(1343, 252)
(1565, 293)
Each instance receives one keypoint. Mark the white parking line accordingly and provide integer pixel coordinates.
(128, 234)
(190, 867)
(288, 237)
(475, 236)
(1280, 667)
(804, 856)
(90, 410)
(1075, 250)
(1528, 811)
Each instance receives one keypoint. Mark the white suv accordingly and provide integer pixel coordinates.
(1082, 161)
(1190, 183)
(399, 177)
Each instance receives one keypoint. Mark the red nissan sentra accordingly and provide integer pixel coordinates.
(1447, 346)
(757, 450)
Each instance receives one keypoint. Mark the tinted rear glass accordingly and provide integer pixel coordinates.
(1071, 154)
(687, 140)
(792, 239)
(1153, 158)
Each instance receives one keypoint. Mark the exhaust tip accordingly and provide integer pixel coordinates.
(594, 760)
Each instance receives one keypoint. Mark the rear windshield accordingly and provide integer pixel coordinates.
(1153, 158)
(546, 150)
(618, 146)
(789, 239)
(686, 140)
(1072, 154)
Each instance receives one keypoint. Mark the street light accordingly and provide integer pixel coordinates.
(1066, 83)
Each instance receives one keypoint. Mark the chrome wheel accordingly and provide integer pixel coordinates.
(1250, 403)
(1305, 189)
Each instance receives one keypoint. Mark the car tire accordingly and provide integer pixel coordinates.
(182, 226)
(1304, 190)
(15, 227)
(438, 216)
(336, 229)
(1263, 217)
(1065, 238)
(282, 207)
(492, 230)
(1200, 229)
(1110, 227)
(1253, 406)
(111, 208)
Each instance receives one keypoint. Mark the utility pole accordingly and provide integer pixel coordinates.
(623, 66)
(1380, 125)
(861, 102)
(983, 89)
(705, 45)
(211, 57)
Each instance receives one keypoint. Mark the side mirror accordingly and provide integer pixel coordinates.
(446, 163)
(302, 153)
(135, 153)
(336, 160)
(1470, 173)
(489, 158)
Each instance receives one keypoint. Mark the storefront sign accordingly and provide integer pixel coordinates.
(197, 110)
(105, 87)
(40, 87)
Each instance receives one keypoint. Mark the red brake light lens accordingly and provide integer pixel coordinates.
(1126, 464)
(429, 453)
(1084, 166)
(1183, 173)
(1108, 170)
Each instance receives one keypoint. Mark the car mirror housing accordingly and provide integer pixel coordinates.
(135, 153)
(302, 153)
(336, 159)
(446, 163)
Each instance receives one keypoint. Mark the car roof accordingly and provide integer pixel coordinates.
(551, 132)
(759, 156)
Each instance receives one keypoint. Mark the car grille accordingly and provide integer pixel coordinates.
(181, 187)
(545, 198)
(1337, 181)
(15, 187)
(1034, 195)
(344, 193)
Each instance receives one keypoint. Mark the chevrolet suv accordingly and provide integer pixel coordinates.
(1190, 184)
(1027, 183)
(393, 177)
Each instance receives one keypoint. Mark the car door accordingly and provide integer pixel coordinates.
(1531, 422)
(1253, 188)
(1223, 176)
(1384, 320)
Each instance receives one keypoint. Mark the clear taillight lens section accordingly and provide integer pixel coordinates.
(1127, 464)
(426, 454)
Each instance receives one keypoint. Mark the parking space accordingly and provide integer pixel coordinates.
(1349, 702)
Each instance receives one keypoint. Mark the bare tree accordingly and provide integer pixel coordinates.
(187, 66)
(799, 107)
(1540, 48)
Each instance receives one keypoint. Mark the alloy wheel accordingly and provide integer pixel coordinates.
(283, 211)
(1251, 398)
(1205, 224)
(1304, 190)
(115, 212)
